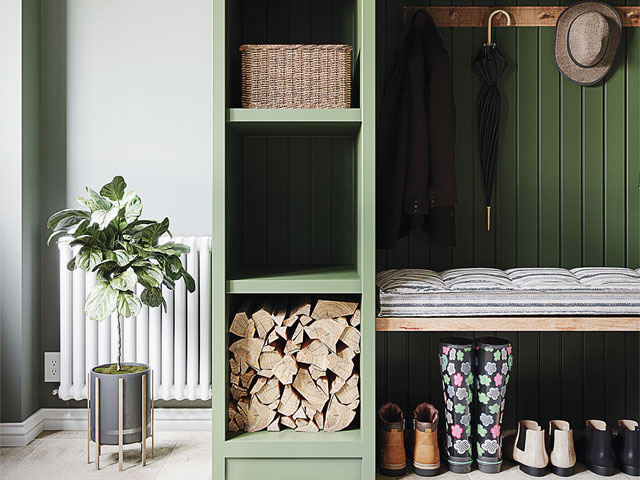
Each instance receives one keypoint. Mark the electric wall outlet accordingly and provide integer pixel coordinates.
(52, 367)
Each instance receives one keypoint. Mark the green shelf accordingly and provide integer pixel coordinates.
(295, 121)
(315, 279)
(345, 436)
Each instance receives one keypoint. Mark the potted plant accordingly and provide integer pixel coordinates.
(124, 251)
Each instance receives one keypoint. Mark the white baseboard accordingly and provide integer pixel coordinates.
(166, 419)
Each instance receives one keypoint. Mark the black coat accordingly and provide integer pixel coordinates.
(416, 184)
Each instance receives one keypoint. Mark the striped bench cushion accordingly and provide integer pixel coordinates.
(469, 292)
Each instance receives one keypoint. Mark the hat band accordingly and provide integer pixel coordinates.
(571, 54)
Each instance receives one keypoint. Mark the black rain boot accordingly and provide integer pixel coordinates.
(492, 369)
(598, 447)
(457, 378)
(627, 446)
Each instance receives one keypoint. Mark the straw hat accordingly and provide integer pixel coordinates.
(587, 39)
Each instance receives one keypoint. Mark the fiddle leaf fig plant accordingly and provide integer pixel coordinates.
(123, 250)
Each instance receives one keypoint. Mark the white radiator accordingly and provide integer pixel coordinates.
(176, 344)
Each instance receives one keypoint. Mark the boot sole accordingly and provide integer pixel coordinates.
(629, 470)
(489, 467)
(459, 467)
(427, 471)
(562, 472)
(388, 472)
(533, 471)
(600, 470)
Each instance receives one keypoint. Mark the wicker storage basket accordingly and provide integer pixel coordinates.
(296, 76)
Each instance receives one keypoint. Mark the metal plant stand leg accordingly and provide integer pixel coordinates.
(88, 418)
(120, 420)
(144, 420)
(97, 417)
(153, 425)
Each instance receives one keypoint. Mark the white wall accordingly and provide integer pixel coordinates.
(139, 102)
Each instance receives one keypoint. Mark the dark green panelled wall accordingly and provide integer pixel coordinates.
(566, 195)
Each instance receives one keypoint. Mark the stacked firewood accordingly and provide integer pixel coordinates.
(293, 365)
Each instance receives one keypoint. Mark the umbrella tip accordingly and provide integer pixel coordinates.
(488, 218)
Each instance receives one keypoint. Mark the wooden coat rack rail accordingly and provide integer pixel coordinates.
(467, 16)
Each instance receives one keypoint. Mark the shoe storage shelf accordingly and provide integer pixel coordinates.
(293, 213)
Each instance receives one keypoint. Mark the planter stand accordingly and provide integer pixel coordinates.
(143, 443)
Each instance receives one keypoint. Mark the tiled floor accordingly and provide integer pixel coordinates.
(63, 455)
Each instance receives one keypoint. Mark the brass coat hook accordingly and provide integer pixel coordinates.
(494, 13)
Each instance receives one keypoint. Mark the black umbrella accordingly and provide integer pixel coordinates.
(489, 65)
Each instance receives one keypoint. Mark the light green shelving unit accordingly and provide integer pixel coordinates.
(341, 254)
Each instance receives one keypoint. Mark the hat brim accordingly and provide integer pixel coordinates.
(566, 65)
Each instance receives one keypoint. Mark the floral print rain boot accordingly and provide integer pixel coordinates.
(457, 378)
(493, 361)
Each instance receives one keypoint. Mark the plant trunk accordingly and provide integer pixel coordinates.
(119, 345)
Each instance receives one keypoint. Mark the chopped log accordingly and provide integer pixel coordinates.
(258, 417)
(298, 335)
(290, 348)
(342, 363)
(271, 339)
(305, 319)
(323, 384)
(274, 426)
(314, 353)
(306, 426)
(234, 379)
(280, 312)
(268, 360)
(258, 384)
(336, 384)
(290, 321)
(309, 411)
(233, 426)
(247, 350)
(232, 410)
(247, 378)
(265, 373)
(354, 321)
(316, 373)
(287, 422)
(268, 347)
(237, 392)
(289, 402)
(327, 308)
(319, 419)
(350, 392)
(299, 413)
(234, 366)
(354, 405)
(306, 387)
(274, 405)
(270, 392)
(300, 306)
(263, 319)
(285, 369)
(338, 416)
(351, 338)
(242, 325)
(327, 330)
(239, 419)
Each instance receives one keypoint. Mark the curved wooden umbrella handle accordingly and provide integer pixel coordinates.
(494, 13)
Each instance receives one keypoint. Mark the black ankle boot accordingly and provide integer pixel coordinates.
(627, 446)
(598, 446)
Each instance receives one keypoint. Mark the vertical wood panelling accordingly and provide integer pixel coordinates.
(566, 194)
(299, 170)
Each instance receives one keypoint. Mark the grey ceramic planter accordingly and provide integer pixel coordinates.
(132, 406)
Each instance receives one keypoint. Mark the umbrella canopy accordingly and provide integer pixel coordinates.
(489, 65)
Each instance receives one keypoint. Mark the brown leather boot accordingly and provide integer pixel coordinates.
(392, 457)
(426, 455)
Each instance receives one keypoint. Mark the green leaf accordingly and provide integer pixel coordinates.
(151, 233)
(99, 202)
(149, 276)
(104, 217)
(69, 216)
(132, 209)
(71, 264)
(125, 281)
(122, 257)
(53, 235)
(115, 189)
(168, 282)
(189, 281)
(101, 301)
(174, 266)
(152, 297)
(129, 304)
(170, 248)
(88, 258)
